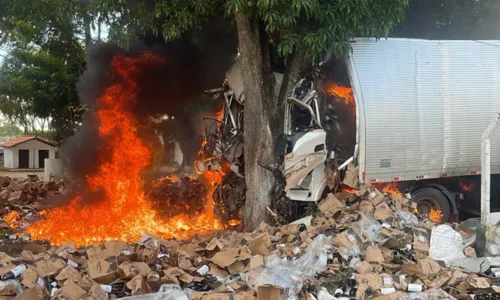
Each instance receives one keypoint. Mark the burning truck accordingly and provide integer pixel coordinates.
(409, 113)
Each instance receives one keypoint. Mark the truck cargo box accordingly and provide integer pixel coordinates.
(422, 106)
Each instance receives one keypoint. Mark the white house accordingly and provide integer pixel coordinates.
(28, 152)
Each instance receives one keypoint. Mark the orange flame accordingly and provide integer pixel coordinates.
(392, 189)
(159, 181)
(213, 176)
(333, 89)
(220, 115)
(435, 215)
(466, 187)
(348, 189)
(124, 213)
(12, 219)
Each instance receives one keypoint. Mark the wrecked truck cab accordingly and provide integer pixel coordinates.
(306, 152)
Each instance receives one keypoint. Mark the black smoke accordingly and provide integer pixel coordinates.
(191, 65)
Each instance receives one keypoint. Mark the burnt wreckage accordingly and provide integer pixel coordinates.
(306, 123)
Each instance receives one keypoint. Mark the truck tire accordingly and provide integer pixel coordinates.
(427, 198)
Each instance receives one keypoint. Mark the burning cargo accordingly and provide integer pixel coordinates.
(111, 201)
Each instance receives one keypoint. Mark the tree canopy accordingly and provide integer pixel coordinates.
(41, 83)
(317, 26)
(10, 130)
(46, 43)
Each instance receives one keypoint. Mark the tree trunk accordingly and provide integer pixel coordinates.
(99, 32)
(88, 35)
(263, 123)
(99, 23)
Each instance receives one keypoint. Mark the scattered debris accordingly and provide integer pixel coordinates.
(363, 244)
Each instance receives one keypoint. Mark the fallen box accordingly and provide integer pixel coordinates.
(34, 293)
(104, 271)
(269, 292)
(138, 285)
(70, 291)
(96, 293)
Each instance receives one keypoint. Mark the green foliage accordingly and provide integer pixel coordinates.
(38, 77)
(40, 21)
(129, 18)
(315, 26)
(318, 26)
(10, 129)
(41, 83)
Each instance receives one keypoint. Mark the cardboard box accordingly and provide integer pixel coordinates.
(223, 259)
(116, 248)
(138, 285)
(29, 277)
(50, 266)
(421, 240)
(372, 280)
(96, 293)
(71, 291)
(255, 262)
(269, 292)
(95, 253)
(34, 293)
(331, 206)
(214, 243)
(104, 271)
(374, 255)
(69, 273)
(260, 244)
(130, 269)
(86, 283)
(364, 268)
(351, 178)
(428, 266)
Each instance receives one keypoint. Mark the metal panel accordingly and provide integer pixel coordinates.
(423, 106)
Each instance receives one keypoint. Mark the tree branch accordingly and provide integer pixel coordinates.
(295, 65)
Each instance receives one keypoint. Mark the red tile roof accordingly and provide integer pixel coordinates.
(22, 139)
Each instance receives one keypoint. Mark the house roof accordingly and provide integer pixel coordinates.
(23, 139)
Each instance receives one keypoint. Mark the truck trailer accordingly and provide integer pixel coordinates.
(422, 107)
(419, 108)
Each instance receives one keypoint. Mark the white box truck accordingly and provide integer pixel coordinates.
(419, 108)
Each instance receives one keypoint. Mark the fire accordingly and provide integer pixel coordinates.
(220, 115)
(345, 93)
(348, 189)
(12, 219)
(159, 181)
(435, 215)
(216, 173)
(466, 187)
(124, 212)
(392, 189)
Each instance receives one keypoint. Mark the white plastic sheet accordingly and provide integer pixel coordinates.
(290, 274)
(447, 245)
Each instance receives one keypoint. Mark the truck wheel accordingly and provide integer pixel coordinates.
(430, 198)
